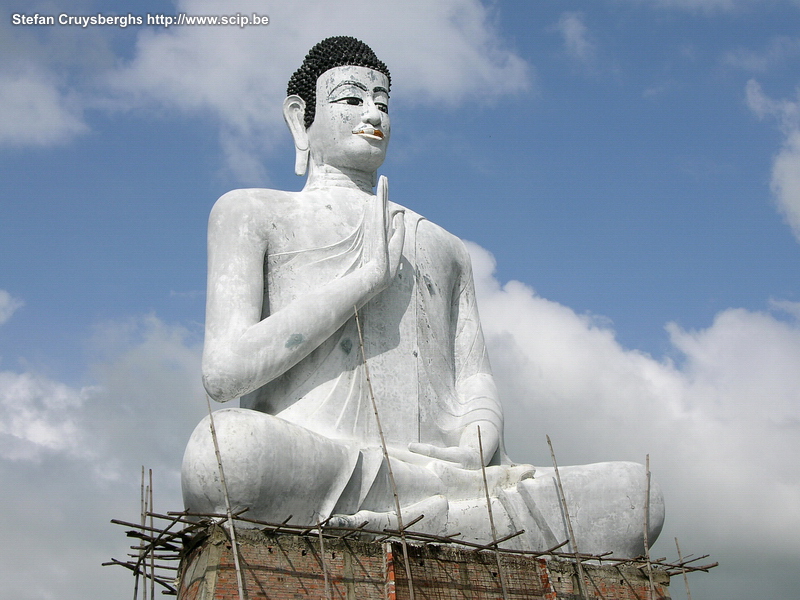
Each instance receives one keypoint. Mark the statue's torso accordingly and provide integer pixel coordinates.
(407, 329)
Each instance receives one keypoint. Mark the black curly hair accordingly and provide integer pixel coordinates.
(332, 52)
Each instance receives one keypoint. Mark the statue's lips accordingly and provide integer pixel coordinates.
(369, 132)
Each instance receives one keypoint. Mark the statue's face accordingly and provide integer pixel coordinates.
(351, 126)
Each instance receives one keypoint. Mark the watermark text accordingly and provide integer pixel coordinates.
(129, 20)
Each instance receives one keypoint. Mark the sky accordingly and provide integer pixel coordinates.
(626, 174)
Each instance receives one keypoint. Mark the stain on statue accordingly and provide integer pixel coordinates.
(286, 273)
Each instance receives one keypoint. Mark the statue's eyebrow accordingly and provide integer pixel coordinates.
(360, 86)
(357, 84)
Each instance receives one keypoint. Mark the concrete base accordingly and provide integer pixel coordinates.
(289, 567)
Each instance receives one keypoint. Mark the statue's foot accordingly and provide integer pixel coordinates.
(433, 511)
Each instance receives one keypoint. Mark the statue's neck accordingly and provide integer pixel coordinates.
(324, 176)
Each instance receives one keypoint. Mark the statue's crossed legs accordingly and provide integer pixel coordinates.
(277, 469)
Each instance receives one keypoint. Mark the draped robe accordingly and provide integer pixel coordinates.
(423, 344)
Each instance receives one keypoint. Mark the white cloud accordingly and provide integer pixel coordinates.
(147, 382)
(576, 37)
(786, 112)
(38, 416)
(8, 306)
(70, 458)
(238, 76)
(35, 110)
(721, 420)
(439, 52)
(785, 182)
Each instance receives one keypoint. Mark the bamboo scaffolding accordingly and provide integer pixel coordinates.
(334, 531)
(154, 538)
(132, 566)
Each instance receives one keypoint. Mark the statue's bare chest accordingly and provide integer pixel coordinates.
(311, 225)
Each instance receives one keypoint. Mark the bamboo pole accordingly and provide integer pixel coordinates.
(386, 457)
(324, 566)
(152, 546)
(234, 545)
(581, 584)
(647, 529)
(141, 543)
(500, 572)
(683, 570)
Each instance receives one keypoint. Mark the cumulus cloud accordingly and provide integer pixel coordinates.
(8, 306)
(785, 181)
(36, 110)
(238, 76)
(722, 411)
(70, 457)
(38, 416)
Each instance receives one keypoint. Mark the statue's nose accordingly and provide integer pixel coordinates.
(371, 113)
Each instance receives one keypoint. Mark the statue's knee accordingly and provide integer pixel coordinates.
(237, 435)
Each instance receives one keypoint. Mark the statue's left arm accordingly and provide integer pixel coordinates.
(477, 401)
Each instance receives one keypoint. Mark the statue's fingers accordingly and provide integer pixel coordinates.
(383, 202)
(447, 454)
(424, 449)
(383, 189)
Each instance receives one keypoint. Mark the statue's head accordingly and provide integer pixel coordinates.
(337, 106)
(332, 52)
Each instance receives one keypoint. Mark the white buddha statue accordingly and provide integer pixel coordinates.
(287, 273)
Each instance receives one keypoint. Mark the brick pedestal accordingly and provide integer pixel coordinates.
(289, 567)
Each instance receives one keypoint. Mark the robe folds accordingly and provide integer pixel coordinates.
(424, 350)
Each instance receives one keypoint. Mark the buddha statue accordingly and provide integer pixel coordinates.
(323, 300)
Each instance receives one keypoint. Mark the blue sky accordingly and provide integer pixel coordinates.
(627, 171)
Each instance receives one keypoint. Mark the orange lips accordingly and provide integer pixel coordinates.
(369, 132)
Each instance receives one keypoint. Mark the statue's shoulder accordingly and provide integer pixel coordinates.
(254, 200)
(432, 234)
(260, 206)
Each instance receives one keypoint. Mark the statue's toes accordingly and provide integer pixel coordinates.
(344, 521)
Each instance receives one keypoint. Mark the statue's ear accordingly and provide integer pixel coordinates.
(294, 112)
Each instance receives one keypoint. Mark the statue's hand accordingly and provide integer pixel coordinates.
(466, 458)
(384, 234)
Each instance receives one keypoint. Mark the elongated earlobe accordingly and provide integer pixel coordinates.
(300, 161)
(294, 110)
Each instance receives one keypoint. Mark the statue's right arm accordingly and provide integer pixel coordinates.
(242, 351)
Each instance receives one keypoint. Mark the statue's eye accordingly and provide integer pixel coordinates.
(384, 108)
(351, 100)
